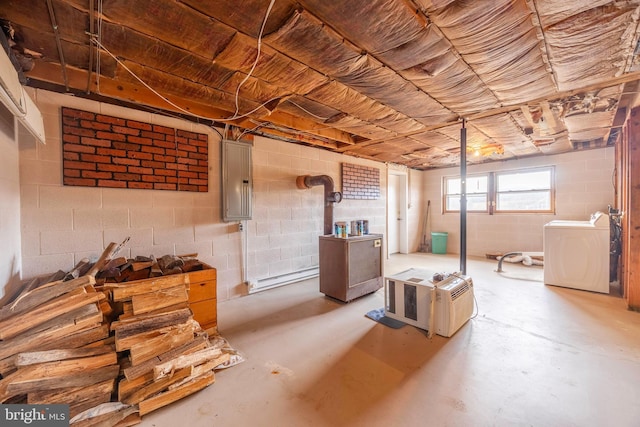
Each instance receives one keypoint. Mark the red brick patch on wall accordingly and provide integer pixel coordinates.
(106, 151)
(360, 182)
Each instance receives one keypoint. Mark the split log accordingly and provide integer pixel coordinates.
(141, 265)
(28, 300)
(169, 262)
(79, 399)
(107, 254)
(163, 369)
(126, 340)
(156, 271)
(60, 374)
(129, 275)
(125, 291)
(110, 251)
(64, 327)
(34, 357)
(149, 389)
(80, 269)
(115, 414)
(146, 322)
(76, 379)
(11, 294)
(116, 263)
(145, 303)
(16, 325)
(168, 397)
(198, 343)
(192, 265)
(176, 337)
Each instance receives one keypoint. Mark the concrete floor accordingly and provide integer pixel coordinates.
(534, 355)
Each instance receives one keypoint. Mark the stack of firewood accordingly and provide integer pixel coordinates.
(112, 348)
(122, 269)
(55, 347)
(168, 353)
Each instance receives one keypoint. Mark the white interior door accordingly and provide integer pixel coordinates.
(397, 211)
(394, 214)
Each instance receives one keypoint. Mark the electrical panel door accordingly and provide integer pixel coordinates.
(237, 181)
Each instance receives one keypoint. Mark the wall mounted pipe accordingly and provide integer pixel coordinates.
(330, 197)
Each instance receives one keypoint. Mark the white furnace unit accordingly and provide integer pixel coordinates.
(413, 298)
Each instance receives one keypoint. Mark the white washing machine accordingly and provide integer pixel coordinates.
(576, 253)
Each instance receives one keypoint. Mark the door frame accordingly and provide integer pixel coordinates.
(402, 193)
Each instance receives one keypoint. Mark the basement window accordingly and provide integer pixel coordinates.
(528, 190)
(477, 193)
(520, 191)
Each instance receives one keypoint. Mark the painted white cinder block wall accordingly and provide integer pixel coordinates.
(584, 184)
(9, 203)
(61, 225)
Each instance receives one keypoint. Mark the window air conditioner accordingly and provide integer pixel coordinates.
(454, 304)
(412, 297)
(17, 101)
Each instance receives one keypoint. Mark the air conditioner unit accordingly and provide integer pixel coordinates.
(413, 298)
(454, 304)
(17, 101)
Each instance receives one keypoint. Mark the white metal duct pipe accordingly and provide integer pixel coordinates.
(330, 196)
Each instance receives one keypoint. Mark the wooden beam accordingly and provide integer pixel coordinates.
(631, 209)
(130, 92)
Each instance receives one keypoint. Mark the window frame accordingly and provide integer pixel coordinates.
(445, 194)
(492, 192)
(551, 190)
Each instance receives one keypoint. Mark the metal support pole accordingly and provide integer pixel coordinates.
(463, 198)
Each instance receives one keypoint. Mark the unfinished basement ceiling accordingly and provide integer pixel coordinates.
(387, 80)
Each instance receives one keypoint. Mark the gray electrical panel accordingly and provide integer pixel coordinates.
(237, 181)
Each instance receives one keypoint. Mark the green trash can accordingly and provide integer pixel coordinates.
(439, 242)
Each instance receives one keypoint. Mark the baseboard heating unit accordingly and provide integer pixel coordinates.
(441, 307)
(282, 279)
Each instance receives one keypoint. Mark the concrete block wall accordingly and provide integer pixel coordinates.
(283, 234)
(9, 203)
(61, 225)
(584, 184)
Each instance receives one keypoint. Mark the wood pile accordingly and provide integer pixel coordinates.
(169, 355)
(56, 348)
(90, 338)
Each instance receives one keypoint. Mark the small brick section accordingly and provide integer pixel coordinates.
(106, 151)
(360, 182)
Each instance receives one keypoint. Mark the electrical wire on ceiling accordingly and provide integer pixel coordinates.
(97, 40)
(246, 131)
(165, 99)
(307, 111)
(253, 67)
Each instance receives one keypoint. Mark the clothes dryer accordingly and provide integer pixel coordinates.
(576, 253)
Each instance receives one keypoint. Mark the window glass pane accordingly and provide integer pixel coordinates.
(476, 202)
(477, 184)
(524, 201)
(476, 193)
(519, 181)
(453, 203)
(453, 186)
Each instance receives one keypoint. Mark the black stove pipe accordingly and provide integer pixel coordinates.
(330, 196)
